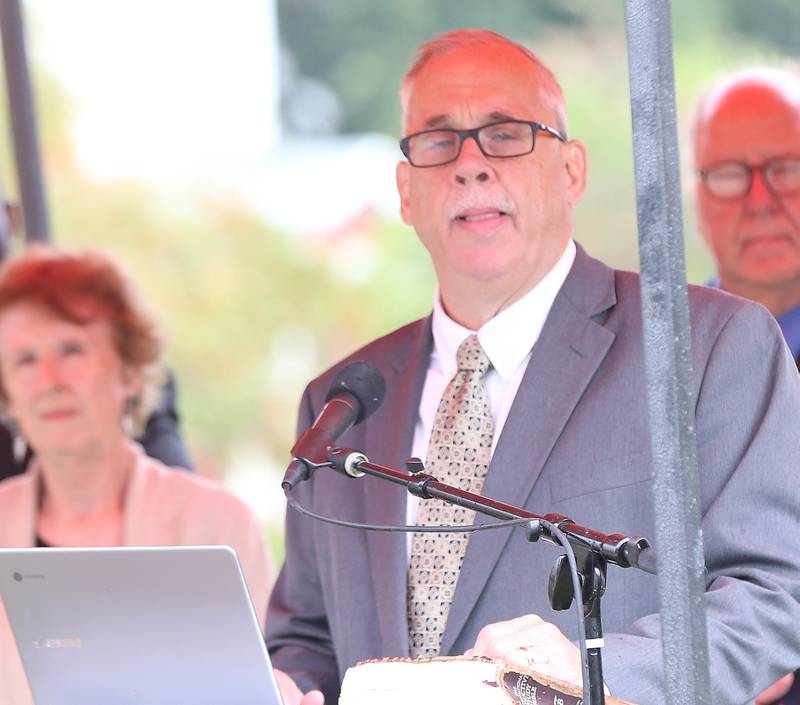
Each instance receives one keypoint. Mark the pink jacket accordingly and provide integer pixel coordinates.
(163, 507)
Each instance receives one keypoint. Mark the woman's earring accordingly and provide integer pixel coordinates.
(129, 416)
(19, 447)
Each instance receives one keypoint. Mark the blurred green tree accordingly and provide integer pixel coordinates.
(361, 48)
(775, 22)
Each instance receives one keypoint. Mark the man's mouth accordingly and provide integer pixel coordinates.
(483, 215)
(768, 240)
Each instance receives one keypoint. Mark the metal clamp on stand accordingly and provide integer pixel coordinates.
(592, 574)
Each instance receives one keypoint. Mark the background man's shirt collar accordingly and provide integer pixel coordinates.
(790, 325)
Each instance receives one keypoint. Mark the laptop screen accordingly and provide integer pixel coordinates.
(136, 626)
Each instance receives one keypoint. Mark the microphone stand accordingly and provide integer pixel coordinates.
(593, 550)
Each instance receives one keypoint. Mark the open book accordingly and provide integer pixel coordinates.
(454, 679)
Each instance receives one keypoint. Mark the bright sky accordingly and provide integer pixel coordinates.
(184, 94)
(168, 90)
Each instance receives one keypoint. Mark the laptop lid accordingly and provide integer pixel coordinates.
(136, 626)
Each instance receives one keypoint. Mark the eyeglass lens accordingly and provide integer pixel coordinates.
(505, 139)
(734, 180)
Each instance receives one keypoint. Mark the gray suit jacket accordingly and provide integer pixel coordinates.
(576, 442)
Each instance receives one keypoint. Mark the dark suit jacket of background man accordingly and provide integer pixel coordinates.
(576, 442)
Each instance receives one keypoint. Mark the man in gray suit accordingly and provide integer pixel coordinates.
(563, 335)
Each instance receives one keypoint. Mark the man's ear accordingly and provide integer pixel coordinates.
(576, 166)
(402, 175)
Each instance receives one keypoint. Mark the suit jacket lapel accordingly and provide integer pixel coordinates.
(564, 360)
(391, 443)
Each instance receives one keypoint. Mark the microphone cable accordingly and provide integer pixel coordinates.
(576, 589)
(468, 529)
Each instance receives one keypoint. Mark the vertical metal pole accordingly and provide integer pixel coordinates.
(23, 122)
(665, 309)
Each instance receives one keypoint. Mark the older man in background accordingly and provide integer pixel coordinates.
(746, 148)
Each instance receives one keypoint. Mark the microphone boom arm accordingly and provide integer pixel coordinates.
(621, 550)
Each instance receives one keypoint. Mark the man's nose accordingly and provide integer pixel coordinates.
(471, 164)
(760, 200)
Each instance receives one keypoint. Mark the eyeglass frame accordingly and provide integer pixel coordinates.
(463, 135)
(751, 169)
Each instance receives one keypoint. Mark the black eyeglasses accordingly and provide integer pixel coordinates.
(509, 138)
(732, 180)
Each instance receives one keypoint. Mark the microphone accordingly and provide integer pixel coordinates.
(356, 393)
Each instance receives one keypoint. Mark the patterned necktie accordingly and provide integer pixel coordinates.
(459, 452)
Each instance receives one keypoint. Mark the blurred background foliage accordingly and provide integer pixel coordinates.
(252, 312)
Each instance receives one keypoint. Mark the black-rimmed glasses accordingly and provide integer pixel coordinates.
(732, 180)
(509, 138)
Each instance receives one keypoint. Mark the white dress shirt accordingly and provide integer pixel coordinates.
(507, 339)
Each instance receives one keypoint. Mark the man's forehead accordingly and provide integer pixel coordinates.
(480, 62)
(753, 97)
(449, 119)
(492, 83)
(747, 101)
(748, 120)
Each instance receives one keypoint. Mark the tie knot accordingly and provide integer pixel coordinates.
(470, 356)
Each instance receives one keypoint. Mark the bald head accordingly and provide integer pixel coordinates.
(767, 94)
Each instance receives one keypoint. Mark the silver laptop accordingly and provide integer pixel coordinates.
(136, 626)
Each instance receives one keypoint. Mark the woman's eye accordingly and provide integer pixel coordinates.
(72, 347)
(24, 359)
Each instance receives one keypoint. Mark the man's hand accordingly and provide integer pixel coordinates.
(292, 695)
(776, 691)
(530, 642)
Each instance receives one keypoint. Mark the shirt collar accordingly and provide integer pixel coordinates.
(508, 338)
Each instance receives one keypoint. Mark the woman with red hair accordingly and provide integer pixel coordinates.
(79, 374)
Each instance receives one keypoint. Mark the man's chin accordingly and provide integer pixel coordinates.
(483, 272)
(771, 249)
(769, 272)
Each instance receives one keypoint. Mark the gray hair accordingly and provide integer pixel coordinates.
(475, 38)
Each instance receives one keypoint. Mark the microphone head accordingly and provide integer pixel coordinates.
(362, 381)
